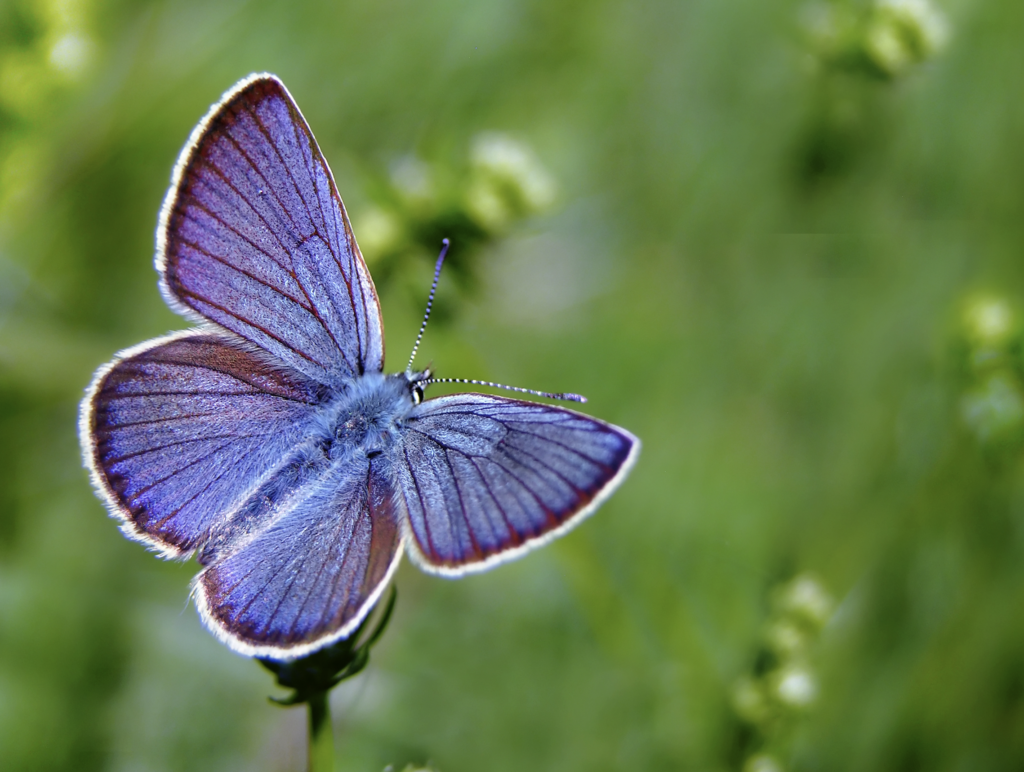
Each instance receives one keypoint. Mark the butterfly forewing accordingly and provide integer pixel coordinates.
(483, 478)
(312, 575)
(182, 431)
(254, 237)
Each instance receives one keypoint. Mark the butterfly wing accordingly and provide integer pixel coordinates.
(254, 237)
(182, 432)
(313, 575)
(483, 479)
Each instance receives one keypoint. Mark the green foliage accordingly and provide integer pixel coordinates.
(792, 264)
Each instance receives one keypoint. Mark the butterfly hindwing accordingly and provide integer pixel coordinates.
(180, 433)
(253, 236)
(313, 574)
(483, 478)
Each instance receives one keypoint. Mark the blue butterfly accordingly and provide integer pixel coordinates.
(268, 442)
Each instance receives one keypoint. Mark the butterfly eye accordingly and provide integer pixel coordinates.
(417, 394)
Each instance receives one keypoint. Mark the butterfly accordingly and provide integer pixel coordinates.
(268, 443)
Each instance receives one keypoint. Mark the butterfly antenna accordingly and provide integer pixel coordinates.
(430, 303)
(564, 396)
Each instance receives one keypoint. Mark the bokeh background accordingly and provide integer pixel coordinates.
(782, 242)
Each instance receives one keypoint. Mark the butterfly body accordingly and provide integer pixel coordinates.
(359, 422)
(367, 416)
(269, 444)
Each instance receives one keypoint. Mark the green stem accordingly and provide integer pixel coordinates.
(321, 736)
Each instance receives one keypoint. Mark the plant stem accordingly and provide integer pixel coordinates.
(321, 736)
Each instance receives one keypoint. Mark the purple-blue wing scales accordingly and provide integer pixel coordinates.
(312, 576)
(483, 479)
(254, 237)
(180, 432)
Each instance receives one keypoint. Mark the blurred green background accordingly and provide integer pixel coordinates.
(781, 242)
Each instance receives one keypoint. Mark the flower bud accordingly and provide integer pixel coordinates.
(902, 33)
(514, 167)
(805, 599)
(762, 762)
(750, 701)
(795, 686)
(989, 321)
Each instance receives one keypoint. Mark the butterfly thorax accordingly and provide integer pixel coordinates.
(365, 418)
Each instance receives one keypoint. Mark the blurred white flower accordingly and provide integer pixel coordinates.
(886, 48)
(904, 32)
(786, 639)
(925, 24)
(795, 686)
(70, 54)
(806, 598)
(989, 321)
(513, 164)
(486, 206)
(762, 762)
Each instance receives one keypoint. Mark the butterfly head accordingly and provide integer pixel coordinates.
(418, 382)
